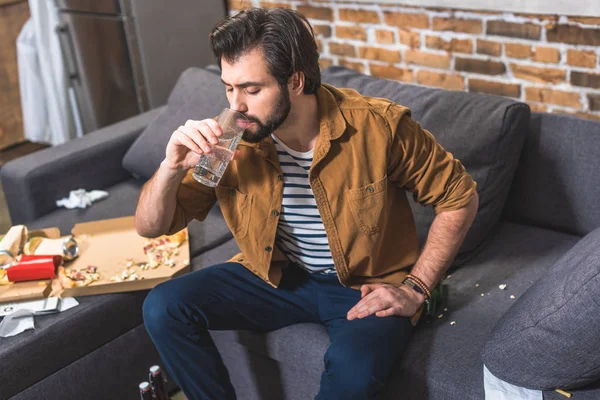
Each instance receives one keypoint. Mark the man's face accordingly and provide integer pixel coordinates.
(254, 92)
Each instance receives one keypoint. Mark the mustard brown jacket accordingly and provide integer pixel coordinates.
(368, 153)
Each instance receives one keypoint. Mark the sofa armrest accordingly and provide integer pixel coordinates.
(33, 183)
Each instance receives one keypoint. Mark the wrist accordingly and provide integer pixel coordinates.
(418, 286)
(169, 170)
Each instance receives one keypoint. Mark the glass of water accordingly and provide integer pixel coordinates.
(211, 166)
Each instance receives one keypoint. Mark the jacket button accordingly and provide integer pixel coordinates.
(240, 259)
(370, 189)
(280, 177)
(274, 213)
(268, 248)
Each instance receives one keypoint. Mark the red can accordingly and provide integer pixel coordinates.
(32, 268)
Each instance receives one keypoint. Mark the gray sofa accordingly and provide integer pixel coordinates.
(538, 187)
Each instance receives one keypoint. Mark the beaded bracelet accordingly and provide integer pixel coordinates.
(418, 285)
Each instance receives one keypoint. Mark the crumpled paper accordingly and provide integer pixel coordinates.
(22, 320)
(80, 198)
(497, 389)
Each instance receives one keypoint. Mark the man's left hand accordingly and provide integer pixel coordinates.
(385, 300)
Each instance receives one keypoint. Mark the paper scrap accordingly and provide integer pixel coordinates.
(497, 389)
(80, 198)
(22, 320)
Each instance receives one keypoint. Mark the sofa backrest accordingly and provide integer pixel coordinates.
(485, 132)
(557, 183)
(198, 94)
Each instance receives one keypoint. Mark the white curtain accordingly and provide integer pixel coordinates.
(42, 77)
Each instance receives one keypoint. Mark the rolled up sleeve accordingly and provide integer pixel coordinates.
(194, 201)
(418, 163)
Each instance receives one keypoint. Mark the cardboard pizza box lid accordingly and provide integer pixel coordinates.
(111, 245)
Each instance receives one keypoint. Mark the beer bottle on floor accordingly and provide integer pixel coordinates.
(145, 391)
(159, 383)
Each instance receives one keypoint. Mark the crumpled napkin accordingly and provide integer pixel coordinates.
(81, 199)
(22, 320)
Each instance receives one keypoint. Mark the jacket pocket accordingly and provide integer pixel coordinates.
(236, 208)
(367, 204)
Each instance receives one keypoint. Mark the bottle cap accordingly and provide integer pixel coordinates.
(144, 387)
(155, 369)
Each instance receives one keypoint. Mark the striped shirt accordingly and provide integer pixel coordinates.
(301, 235)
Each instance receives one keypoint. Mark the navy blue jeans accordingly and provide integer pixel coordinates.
(178, 314)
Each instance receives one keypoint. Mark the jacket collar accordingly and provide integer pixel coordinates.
(332, 122)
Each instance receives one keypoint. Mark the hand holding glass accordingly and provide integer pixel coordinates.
(211, 166)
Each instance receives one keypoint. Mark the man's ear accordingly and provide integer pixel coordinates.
(296, 83)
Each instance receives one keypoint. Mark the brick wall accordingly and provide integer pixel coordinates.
(550, 62)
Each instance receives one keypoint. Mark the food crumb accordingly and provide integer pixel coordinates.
(453, 323)
(477, 285)
(512, 296)
(482, 294)
(445, 309)
(502, 287)
(441, 316)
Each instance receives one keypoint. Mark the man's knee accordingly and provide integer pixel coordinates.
(349, 378)
(154, 310)
(164, 308)
(179, 301)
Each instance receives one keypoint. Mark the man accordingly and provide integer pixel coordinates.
(316, 201)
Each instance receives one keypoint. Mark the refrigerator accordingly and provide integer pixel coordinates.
(123, 57)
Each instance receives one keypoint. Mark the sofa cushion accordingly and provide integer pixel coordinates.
(556, 183)
(198, 94)
(443, 360)
(549, 338)
(60, 339)
(121, 202)
(485, 132)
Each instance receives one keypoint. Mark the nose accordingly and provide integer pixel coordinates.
(238, 103)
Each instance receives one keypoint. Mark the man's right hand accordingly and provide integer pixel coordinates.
(189, 142)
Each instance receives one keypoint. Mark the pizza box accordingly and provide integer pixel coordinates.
(32, 289)
(111, 246)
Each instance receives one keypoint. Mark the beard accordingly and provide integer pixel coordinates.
(278, 116)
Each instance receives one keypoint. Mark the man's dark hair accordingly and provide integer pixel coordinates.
(285, 37)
